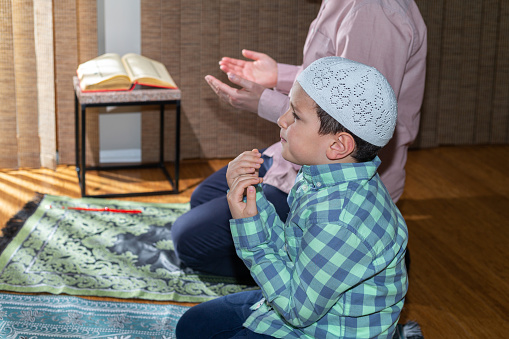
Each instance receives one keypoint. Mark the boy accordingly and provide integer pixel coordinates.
(336, 268)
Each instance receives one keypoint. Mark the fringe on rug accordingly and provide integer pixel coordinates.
(410, 330)
(17, 221)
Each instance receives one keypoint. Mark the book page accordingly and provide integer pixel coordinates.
(103, 72)
(146, 71)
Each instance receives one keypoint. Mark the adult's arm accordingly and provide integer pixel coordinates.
(274, 102)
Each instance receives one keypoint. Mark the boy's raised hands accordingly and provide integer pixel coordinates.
(242, 175)
(243, 186)
(246, 164)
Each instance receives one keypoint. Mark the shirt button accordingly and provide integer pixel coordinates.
(319, 184)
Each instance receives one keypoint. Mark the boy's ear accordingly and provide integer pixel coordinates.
(342, 145)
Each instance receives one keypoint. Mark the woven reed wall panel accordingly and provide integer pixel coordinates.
(86, 24)
(75, 42)
(86, 17)
(171, 55)
(432, 13)
(43, 18)
(66, 61)
(228, 131)
(248, 124)
(190, 71)
(151, 21)
(467, 87)
(8, 140)
(160, 21)
(190, 38)
(487, 67)
(25, 73)
(500, 118)
(210, 111)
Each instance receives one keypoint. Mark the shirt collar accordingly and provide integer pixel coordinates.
(332, 174)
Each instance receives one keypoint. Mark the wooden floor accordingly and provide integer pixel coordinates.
(456, 204)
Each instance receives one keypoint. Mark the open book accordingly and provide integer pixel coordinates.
(110, 72)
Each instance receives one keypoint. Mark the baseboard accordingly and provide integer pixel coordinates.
(119, 156)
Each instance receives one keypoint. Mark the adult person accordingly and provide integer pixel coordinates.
(323, 273)
(389, 35)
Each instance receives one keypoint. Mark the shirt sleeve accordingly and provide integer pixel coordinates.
(249, 232)
(274, 102)
(332, 259)
(286, 75)
(272, 105)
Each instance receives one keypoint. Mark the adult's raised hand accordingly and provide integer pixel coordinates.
(246, 98)
(262, 70)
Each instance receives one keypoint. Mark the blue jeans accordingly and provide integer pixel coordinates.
(202, 236)
(220, 318)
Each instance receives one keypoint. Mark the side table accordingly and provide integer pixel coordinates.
(136, 97)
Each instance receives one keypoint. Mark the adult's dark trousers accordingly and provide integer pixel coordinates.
(202, 236)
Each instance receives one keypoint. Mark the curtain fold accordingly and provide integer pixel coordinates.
(43, 28)
(8, 121)
(25, 73)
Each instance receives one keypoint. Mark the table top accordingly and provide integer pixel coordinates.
(136, 95)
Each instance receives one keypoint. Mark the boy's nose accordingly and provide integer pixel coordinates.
(283, 121)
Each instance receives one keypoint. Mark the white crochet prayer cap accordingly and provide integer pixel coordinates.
(357, 96)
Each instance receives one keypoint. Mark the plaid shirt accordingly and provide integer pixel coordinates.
(336, 268)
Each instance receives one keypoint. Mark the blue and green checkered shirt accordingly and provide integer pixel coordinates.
(336, 268)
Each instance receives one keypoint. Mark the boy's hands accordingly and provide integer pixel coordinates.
(241, 186)
(247, 163)
(241, 175)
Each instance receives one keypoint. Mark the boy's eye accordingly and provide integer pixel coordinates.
(295, 116)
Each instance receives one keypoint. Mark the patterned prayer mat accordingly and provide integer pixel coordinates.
(46, 316)
(58, 249)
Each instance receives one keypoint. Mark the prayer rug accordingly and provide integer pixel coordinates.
(52, 317)
(93, 247)
(45, 316)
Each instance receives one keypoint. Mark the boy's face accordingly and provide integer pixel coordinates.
(301, 142)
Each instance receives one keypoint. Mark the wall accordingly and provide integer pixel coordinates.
(467, 86)
(190, 37)
(118, 31)
(467, 82)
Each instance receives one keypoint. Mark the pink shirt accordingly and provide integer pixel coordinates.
(389, 35)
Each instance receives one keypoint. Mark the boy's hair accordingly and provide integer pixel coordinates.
(364, 151)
